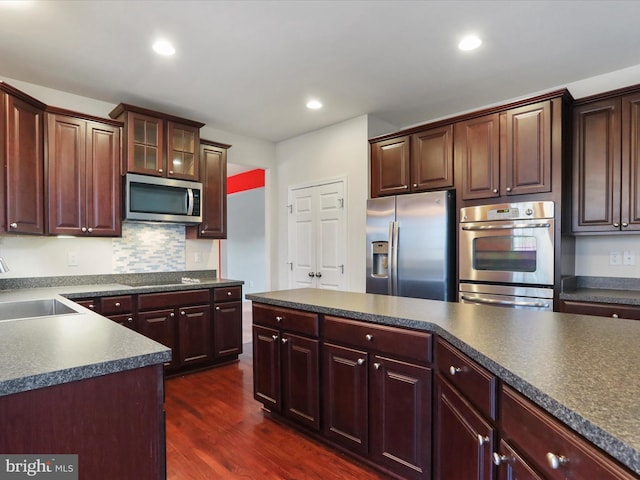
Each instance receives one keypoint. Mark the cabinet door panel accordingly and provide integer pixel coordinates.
(528, 156)
(301, 379)
(401, 417)
(24, 164)
(183, 143)
(145, 144)
(346, 398)
(432, 159)
(477, 144)
(390, 167)
(631, 162)
(159, 325)
(266, 367)
(227, 329)
(513, 466)
(214, 180)
(103, 180)
(66, 174)
(194, 334)
(463, 440)
(596, 167)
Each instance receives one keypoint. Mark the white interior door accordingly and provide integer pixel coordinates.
(317, 236)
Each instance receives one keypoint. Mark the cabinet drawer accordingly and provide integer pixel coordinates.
(394, 341)
(473, 381)
(286, 318)
(600, 309)
(543, 439)
(228, 294)
(116, 305)
(150, 301)
(92, 304)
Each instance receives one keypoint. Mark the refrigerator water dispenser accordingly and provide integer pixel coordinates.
(380, 259)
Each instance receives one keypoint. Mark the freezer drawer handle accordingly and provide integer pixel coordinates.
(487, 301)
(511, 226)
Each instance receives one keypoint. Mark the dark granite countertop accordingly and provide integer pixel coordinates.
(625, 291)
(579, 369)
(50, 350)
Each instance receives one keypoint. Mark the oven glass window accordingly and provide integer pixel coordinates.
(505, 253)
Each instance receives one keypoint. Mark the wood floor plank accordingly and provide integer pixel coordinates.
(216, 430)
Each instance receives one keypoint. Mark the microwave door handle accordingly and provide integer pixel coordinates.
(512, 226)
(486, 301)
(189, 201)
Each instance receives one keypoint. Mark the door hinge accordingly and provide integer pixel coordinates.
(341, 202)
(341, 268)
(290, 265)
(290, 207)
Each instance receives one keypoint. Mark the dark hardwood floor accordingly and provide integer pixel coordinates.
(216, 430)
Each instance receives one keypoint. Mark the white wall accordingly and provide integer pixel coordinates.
(340, 150)
(47, 256)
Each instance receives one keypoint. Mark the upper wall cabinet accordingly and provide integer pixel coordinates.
(22, 159)
(413, 163)
(506, 153)
(159, 144)
(606, 165)
(213, 162)
(83, 174)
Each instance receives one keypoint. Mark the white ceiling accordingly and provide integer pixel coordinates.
(249, 66)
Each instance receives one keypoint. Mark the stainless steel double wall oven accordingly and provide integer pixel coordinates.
(507, 255)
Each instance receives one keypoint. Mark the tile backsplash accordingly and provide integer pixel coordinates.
(149, 247)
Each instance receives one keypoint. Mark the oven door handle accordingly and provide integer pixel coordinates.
(486, 301)
(512, 226)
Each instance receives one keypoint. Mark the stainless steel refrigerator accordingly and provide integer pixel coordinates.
(411, 245)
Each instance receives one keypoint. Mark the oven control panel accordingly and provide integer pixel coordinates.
(507, 211)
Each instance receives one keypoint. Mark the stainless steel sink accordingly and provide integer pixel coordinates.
(33, 308)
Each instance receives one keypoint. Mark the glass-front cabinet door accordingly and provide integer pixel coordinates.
(182, 153)
(144, 149)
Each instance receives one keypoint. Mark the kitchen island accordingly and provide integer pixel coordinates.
(581, 370)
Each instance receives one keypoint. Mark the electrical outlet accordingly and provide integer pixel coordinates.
(615, 258)
(72, 259)
(629, 257)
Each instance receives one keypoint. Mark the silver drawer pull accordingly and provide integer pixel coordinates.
(500, 459)
(285, 340)
(279, 319)
(275, 337)
(360, 361)
(117, 304)
(377, 366)
(454, 370)
(369, 337)
(556, 461)
(482, 439)
(229, 294)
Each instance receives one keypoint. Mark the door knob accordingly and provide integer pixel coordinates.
(318, 274)
(311, 274)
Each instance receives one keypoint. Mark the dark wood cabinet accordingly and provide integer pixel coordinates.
(120, 309)
(613, 310)
(506, 153)
(213, 160)
(431, 162)
(83, 175)
(463, 439)
(390, 169)
(159, 144)
(160, 325)
(606, 196)
(550, 447)
(377, 394)
(286, 363)
(227, 322)
(511, 466)
(345, 387)
(419, 162)
(477, 151)
(22, 158)
(194, 334)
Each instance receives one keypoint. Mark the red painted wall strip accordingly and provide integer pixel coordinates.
(245, 181)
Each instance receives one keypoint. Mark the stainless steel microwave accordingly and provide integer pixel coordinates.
(157, 199)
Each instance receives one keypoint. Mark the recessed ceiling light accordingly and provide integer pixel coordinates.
(164, 47)
(314, 104)
(16, 3)
(470, 42)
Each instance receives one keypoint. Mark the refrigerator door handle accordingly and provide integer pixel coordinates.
(390, 260)
(393, 254)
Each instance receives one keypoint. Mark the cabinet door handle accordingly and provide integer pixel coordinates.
(369, 337)
(500, 459)
(617, 225)
(508, 189)
(625, 224)
(405, 186)
(279, 319)
(160, 170)
(92, 306)
(360, 361)
(377, 366)
(83, 229)
(482, 439)
(170, 172)
(14, 225)
(229, 293)
(117, 304)
(285, 340)
(495, 190)
(615, 315)
(130, 319)
(172, 314)
(275, 337)
(556, 461)
(454, 370)
(217, 308)
(182, 313)
(89, 229)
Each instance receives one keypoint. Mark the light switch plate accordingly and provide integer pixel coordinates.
(615, 258)
(629, 257)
